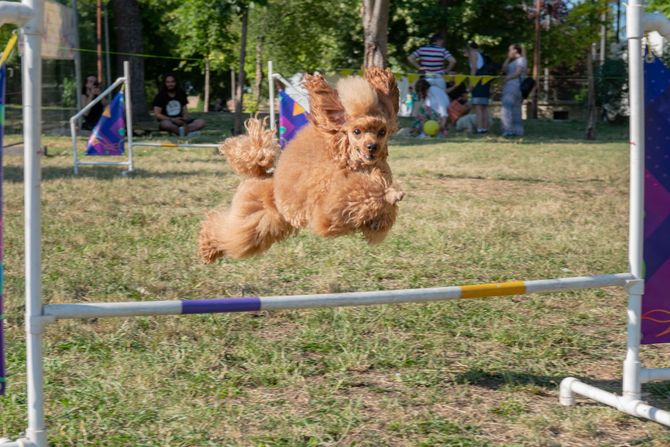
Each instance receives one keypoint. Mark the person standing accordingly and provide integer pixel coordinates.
(430, 60)
(170, 109)
(90, 91)
(480, 93)
(515, 69)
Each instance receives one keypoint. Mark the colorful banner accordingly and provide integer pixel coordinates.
(656, 299)
(292, 117)
(108, 135)
(2, 244)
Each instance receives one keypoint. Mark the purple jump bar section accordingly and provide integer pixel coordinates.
(220, 305)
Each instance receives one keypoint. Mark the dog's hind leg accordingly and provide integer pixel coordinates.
(249, 227)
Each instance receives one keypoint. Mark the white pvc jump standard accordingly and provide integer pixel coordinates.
(28, 15)
(637, 23)
(74, 120)
(129, 129)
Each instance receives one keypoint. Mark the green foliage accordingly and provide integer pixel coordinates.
(308, 35)
(662, 6)
(566, 44)
(69, 89)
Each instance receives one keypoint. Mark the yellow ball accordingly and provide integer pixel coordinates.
(431, 127)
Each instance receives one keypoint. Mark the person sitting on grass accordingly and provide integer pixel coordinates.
(459, 108)
(170, 109)
(433, 104)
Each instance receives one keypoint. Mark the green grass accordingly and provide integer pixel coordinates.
(470, 373)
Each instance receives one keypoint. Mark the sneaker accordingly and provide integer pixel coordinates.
(195, 133)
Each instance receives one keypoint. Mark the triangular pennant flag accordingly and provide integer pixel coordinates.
(290, 122)
(412, 77)
(448, 78)
(108, 135)
(297, 109)
(474, 80)
(459, 79)
(346, 72)
(486, 79)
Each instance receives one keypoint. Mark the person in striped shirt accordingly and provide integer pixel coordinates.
(430, 60)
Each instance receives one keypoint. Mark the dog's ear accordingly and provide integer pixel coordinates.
(384, 83)
(325, 109)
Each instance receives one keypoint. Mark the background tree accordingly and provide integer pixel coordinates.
(375, 26)
(129, 39)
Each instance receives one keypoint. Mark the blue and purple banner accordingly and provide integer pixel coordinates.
(292, 117)
(109, 134)
(656, 299)
(3, 72)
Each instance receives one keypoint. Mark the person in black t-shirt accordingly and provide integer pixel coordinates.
(170, 109)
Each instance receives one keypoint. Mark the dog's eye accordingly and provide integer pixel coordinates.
(357, 131)
(382, 132)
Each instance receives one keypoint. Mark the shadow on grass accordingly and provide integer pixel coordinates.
(656, 394)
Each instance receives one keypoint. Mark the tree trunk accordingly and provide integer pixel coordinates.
(259, 71)
(591, 102)
(239, 94)
(128, 31)
(375, 25)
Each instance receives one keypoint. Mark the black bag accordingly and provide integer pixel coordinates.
(527, 86)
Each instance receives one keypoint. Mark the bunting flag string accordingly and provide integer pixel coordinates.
(458, 79)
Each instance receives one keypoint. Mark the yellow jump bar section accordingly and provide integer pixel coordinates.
(498, 289)
(8, 49)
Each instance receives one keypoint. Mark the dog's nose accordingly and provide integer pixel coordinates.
(372, 147)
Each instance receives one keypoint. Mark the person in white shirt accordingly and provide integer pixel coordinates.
(433, 104)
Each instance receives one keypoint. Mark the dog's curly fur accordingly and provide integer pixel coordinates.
(333, 178)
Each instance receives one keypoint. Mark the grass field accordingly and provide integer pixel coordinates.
(468, 373)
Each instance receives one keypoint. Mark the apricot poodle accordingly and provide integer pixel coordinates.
(332, 178)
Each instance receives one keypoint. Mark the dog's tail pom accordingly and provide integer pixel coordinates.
(253, 154)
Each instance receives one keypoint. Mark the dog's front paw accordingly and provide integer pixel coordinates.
(393, 196)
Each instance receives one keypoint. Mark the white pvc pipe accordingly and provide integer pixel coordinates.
(129, 114)
(126, 309)
(15, 13)
(632, 364)
(97, 99)
(76, 116)
(571, 386)
(654, 374)
(271, 90)
(104, 163)
(32, 118)
(656, 21)
(175, 145)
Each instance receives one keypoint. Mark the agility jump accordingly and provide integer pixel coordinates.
(123, 125)
(28, 15)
